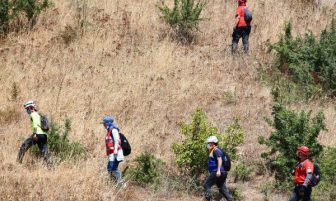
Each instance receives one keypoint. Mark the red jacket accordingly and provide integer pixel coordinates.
(301, 170)
(109, 142)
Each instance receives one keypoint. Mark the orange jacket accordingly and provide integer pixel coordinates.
(301, 170)
(241, 13)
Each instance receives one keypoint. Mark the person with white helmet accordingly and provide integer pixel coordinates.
(38, 137)
(218, 165)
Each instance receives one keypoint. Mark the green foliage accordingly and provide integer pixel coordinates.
(11, 10)
(60, 145)
(242, 172)
(237, 194)
(291, 130)
(307, 61)
(148, 169)
(192, 154)
(326, 189)
(184, 17)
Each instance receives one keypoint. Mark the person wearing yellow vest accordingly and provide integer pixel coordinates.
(38, 137)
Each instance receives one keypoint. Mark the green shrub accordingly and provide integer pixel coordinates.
(326, 189)
(184, 17)
(237, 193)
(307, 61)
(192, 155)
(242, 172)
(291, 130)
(59, 144)
(11, 10)
(148, 169)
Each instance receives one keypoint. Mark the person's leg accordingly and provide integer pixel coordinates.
(294, 196)
(112, 168)
(24, 147)
(245, 35)
(308, 193)
(43, 146)
(209, 182)
(236, 35)
(222, 187)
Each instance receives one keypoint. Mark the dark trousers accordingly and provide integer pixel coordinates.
(241, 32)
(220, 182)
(296, 196)
(41, 142)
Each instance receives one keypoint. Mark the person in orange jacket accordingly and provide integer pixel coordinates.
(303, 175)
(241, 29)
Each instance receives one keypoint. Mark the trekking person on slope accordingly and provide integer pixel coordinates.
(241, 29)
(38, 137)
(218, 166)
(113, 149)
(303, 175)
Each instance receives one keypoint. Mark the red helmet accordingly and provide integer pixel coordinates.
(303, 150)
(241, 1)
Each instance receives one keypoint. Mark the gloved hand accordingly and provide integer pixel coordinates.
(302, 190)
(34, 136)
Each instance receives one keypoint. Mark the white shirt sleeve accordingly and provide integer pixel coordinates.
(116, 138)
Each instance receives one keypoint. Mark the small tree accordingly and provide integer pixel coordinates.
(291, 130)
(11, 10)
(184, 18)
(192, 154)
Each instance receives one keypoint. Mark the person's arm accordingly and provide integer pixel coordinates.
(116, 140)
(220, 163)
(236, 21)
(35, 123)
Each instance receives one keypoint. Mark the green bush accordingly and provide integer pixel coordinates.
(11, 10)
(59, 144)
(192, 154)
(148, 169)
(184, 18)
(291, 129)
(326, 189)
(242, 172)
(308, 61)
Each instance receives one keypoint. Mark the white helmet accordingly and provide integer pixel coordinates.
(29, 104)
(212, 139)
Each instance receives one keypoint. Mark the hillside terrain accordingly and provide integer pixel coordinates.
(126, 65)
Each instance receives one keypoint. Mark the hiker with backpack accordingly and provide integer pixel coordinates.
(40, 127)
(219, 164)
(114, 150)
(304, 177)
(242, 27)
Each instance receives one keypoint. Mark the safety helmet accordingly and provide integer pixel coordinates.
(29, 104)
(303, 150)
(212, 139)
(108, 120)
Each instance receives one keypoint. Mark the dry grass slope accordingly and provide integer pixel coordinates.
(125, 65)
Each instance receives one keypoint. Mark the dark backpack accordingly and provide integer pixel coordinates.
(125, 145)
(226, 160)
(247, 15)
(45, 125)
(316, 175)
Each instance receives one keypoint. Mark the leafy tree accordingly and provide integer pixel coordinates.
(11, 10)
(291, 129)
(184, 17)
(308, 61)
(192, 154)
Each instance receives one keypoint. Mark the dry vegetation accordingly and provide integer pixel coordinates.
(124, 64)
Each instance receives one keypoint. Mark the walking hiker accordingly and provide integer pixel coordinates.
(242, 27)
(218, 165)
(38, 137)
(303, 175)
(113, 149)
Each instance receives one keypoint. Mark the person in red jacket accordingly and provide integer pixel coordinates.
(241, 28)
(303, 175)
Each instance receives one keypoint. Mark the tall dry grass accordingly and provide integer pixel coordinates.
(125, 65)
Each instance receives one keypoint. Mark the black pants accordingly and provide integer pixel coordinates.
(41, 142)
(296, 196)
(220, 182)
(241, 32)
